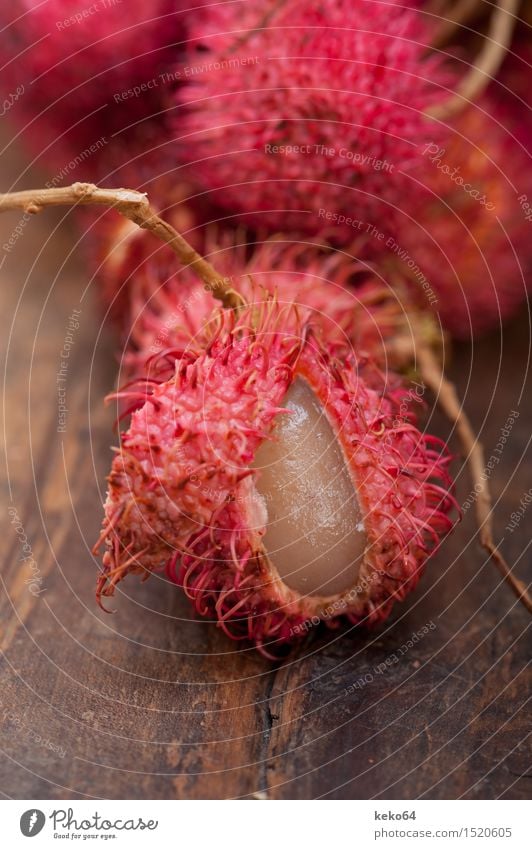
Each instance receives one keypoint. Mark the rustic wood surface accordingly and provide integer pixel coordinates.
(151, 703)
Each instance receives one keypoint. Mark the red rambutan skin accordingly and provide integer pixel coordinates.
(159, 307)
(79, 64)
(342, 85)
(181, 496)
(468, 233)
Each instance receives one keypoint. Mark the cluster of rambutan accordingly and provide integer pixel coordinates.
(273, 465)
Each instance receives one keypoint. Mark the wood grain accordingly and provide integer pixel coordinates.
(151, 703)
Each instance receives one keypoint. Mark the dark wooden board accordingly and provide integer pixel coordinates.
(151, 703)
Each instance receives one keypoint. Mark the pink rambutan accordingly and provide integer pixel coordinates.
(306, 117)
(274, 478)
(274, 473)
(468, 237)
(158, 306)
(85, 73)
(256, 446)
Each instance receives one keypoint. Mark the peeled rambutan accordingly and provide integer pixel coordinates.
(468, 237)
(274, 478)
(306, 117)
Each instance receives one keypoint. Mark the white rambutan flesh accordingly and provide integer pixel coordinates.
(314, 533)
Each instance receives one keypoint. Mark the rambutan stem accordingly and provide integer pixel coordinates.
(457, 15)
(488, 62)
(134, 206)
(432, 375)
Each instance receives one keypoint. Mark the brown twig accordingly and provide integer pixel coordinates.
(456, 16)
(445, 393)
(134, 206)
(487, 64)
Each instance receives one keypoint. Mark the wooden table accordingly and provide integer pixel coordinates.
(150, 702)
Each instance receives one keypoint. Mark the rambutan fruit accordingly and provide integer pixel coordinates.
(85, 73)
(307, 117)
(207, 484)
(274, 482)
(158, 306)
(468, 236)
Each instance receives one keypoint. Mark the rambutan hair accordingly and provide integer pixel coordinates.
(306, 117)
(468, 237)
(182, 497)
(85, 73)
(159, 306)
